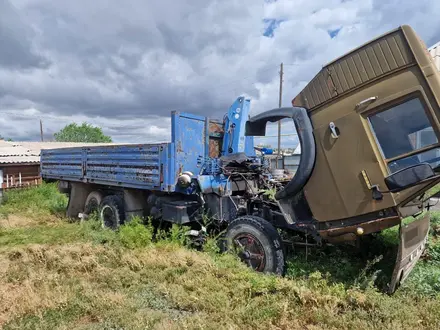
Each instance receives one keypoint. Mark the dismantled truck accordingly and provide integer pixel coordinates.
(368, 126)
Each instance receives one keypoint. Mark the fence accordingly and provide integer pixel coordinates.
(19, 176)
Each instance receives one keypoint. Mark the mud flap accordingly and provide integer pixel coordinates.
(412, 243)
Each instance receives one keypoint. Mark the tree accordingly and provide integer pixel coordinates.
(82, 133)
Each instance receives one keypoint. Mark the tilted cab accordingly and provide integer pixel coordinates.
(375, 114)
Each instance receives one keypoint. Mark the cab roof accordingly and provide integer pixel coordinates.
(384, 55)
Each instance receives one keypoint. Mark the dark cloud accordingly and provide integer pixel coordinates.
(16, 41)
(126, 67)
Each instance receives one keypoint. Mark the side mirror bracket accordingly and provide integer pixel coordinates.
(377, 194)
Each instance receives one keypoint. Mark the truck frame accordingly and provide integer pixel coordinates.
(364, 166)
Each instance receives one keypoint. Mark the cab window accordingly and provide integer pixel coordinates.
(403, 129)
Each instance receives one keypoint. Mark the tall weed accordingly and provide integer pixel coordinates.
(135, 234)
(36, 202)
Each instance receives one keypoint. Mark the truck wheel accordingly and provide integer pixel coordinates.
(111, 212)
(258, 243)
(92, 203)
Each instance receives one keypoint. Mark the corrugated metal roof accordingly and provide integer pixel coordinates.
(12, 152)
(20, 160)
(435, 53)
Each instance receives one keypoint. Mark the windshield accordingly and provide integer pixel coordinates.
(404, 129)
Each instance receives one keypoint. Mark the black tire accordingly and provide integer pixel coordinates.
(93, 201)
(266, 253)
(111, 212)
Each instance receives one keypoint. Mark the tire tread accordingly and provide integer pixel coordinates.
(271, 234)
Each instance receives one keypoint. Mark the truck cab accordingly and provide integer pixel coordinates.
(369, 110)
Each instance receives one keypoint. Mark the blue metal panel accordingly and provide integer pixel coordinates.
(190, 142)
(218, 184)
(249, 146)
(62, 163)
(167, 163)
(143, 166)
(235, 140)
(131, 164)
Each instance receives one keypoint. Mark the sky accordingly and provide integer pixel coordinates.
(126, 65)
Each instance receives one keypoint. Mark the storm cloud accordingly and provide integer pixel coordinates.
(126, 66)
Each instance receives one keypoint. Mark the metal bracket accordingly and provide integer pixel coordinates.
(334, 130)
(365, 103)
(377, 194)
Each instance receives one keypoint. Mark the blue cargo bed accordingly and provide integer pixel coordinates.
(143, 166)
(140, 166)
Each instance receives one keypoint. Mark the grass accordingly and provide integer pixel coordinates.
(37, 203)
(55, 274)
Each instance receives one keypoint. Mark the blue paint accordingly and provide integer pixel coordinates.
(189, 138)
(265, 151)
(209, 166)
(235, 140)
(333, 33)
(133, 165)
(218, 184)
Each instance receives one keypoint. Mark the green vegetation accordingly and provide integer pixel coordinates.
(82, 133)
(56, 274)
(433, 190)
(37, 203)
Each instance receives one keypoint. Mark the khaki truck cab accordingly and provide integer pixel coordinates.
(375, 115)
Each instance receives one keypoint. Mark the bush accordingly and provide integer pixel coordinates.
(134, 234)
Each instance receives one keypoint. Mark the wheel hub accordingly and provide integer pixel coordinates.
(251, 251)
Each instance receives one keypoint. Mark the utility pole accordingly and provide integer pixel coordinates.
(279, 105)
(41, 130)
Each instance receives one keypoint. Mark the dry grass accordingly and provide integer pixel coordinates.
(64, 275)
(13, 221)
(83, 285)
